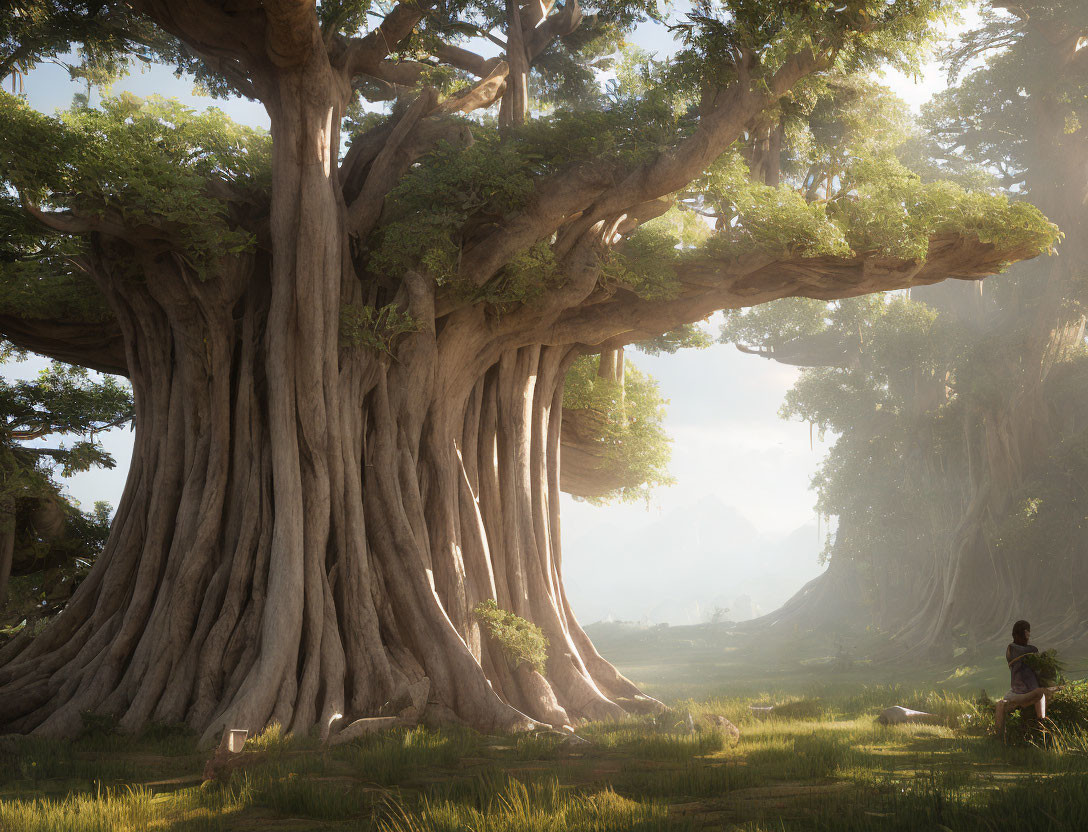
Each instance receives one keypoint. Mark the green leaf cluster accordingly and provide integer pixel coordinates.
(61, 401)
(890, 210)
(852, 36)
(629, 424)
(688, 336)
(1049, 669)
(880, 207)
(38, 278)
(432, 207)
(522, 641)
(374, 328)
(646, 265)
(147, 162)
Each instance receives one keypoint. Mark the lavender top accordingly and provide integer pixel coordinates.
(1024, 679)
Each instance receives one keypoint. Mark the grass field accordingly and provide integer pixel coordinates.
(818, 761)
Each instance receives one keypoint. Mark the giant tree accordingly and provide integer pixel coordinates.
(348, 366)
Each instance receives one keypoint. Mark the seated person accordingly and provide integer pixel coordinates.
(1025, 688)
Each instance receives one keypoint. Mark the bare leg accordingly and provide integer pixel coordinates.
(999, 719)
(1040, 706)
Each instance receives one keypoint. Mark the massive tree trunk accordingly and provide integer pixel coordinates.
(307, 527)
(285, 552)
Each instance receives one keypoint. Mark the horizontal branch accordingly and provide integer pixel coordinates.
(96, 345)
(109, 223)
(209, 28)
(460, 58)
(708, 286)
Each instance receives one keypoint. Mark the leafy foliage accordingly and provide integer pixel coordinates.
(54, 541)
(645, 265)
(1049, 669)
(877, 205)
(148, 161)
(522, 641)
(628, 420)
(683, 337)
(375, 329)
(854, 36)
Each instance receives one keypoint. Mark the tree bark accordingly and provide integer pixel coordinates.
(307, 526)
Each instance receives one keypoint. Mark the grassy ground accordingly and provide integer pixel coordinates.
(818, 761)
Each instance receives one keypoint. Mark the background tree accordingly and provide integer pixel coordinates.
(972, 396)
(348, 367)
(44, 538)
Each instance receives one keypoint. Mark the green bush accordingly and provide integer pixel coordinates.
(522, 641)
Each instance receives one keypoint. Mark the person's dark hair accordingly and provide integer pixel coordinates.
(1018, 630)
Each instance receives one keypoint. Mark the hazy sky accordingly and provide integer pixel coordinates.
(723, 413)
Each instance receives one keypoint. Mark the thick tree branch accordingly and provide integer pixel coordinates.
(460, 58)
(388, 167)
(557, 198)
(726, 114)
(68, 222)
(538, 37)
(292, 31)
(212, 28)
(481, 95)
(514, 108)
(108, 223)
(95, 345)
(711, 285)
(362, 56)
(230, 67)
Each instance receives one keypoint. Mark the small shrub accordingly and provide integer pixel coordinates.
(979, 719)
(375, 329)
(272, 739)
(522, 641)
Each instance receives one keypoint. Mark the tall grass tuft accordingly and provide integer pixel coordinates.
(538, 806)
(282, 790)
(108, 810)
(395, 756)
